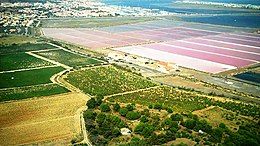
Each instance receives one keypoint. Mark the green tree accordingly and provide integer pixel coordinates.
(203, 125)
(104, 107)
(123, 111)
(131, 115)
(116, 132)
(130, 107)
(100, 118)
(89, 114)
(222, 125)
(144, 129)
(144, 119)
(116, 107)
(147, 131)
(189, 123)
(158, 106)
(92, 103)
(177, 117)
(169, 110)
(216, 135)
(145, 112)
(99, 100)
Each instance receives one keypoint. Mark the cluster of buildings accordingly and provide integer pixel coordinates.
(164, 67)
(20, 17)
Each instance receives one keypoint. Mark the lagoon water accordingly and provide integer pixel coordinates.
(157, 4)
(225, 17)
(238, 21)
(246, 2)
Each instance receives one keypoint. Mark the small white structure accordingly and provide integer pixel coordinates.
(201, 132)
(229, 83)
(125, 131)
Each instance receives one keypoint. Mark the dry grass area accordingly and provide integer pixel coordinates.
(216, 115)
(183, 141)
(197, 85)
(17, 39)
(47, 120)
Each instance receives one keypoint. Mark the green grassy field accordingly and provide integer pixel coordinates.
(68, 58)
(24, 47)
(20, 61)
(107, 80)
(27, 78)
(91, 22)
(32, 91)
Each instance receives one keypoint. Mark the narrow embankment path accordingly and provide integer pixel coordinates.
(51, 61)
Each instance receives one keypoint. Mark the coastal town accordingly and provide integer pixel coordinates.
(22, 17)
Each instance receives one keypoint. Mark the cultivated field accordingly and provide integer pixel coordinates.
(183, 101)
(31, 91)
(24, 47)
(27, 78)
(23, 75)
(68, 58)
(107, 80)
(19, 61)
(48, 120)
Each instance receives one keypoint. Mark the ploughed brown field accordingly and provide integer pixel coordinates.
(47, 120)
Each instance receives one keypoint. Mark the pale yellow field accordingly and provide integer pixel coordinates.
(47, 120)
(215, 116)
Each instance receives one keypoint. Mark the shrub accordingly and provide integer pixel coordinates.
(133, 115)
(177, 117)
(89, 114)
(104, 107)
(130, 107)
(100, 118)
(116, 132)
(158, 106)
(92, 103)
(144, 119)
(116, 107)
(203, 125)
(99, 100)
(189, 123)
(144, 129)
(146, 112)
(169, 110)
(123, 111)
(216, 135)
